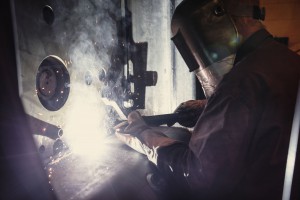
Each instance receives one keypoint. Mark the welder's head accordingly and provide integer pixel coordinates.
(206, 35)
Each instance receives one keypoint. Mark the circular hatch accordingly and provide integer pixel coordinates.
(52, 83)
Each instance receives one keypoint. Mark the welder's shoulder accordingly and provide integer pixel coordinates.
(277, 66)
(243, 84)
(275, 57)
(271, 68)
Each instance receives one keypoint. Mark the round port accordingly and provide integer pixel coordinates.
(52, 83)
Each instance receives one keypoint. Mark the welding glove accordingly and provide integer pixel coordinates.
(190, 112)
(141, 137)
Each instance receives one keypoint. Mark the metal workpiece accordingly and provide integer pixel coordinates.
(42, 128)
(110, 171)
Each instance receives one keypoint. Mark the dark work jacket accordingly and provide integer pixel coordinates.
(239, 146)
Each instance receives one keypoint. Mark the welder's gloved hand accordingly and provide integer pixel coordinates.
(141, 137)
(190, 111)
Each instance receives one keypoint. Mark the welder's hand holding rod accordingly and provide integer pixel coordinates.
(189, 112)
(184, 118)
(186, 114)
(141, 137)
(137, 132)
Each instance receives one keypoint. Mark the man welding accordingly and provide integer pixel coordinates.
(239, 144)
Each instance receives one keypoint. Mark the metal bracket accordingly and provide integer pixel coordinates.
(126, 80)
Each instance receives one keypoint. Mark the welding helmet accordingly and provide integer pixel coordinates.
(205, 34)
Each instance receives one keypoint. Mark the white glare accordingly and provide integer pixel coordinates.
(84, 128)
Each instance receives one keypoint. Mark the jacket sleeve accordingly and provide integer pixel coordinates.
(215, 159)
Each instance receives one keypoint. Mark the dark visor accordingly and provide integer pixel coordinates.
(204, 35)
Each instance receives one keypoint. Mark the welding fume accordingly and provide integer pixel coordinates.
(240, 138)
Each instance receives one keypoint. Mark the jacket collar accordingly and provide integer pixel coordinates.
(251, 44)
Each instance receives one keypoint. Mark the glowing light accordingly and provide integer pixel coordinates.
(171, 168)
(234, 41)
(214, 56)
(84, 131)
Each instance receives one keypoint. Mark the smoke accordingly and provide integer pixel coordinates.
(88, 30)
(91, 33)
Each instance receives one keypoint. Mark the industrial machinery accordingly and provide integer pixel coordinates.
(82, 66)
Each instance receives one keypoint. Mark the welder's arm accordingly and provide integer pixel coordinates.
(170, 156)
(141, 137)
(213, 159)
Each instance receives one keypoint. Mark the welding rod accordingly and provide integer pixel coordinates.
(157, 120)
